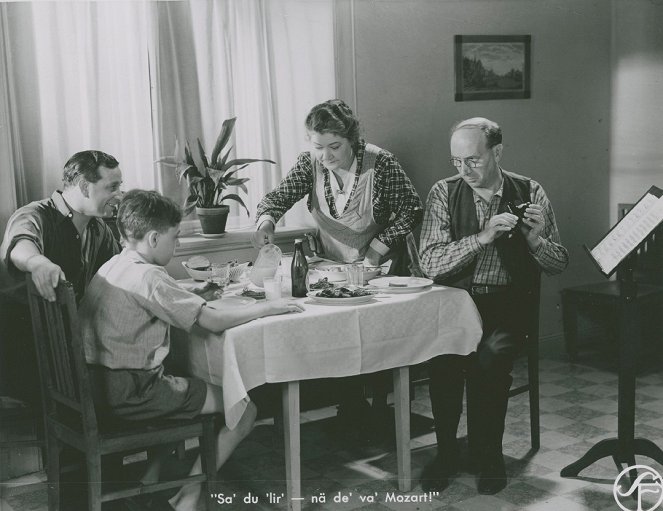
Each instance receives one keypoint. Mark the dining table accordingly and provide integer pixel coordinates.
(387, 331)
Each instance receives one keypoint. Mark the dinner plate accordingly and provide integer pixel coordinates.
(401, 284)
(231, 301)
(354, 300)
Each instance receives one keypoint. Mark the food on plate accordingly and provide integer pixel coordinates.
(323, 283)
(342, 292)
(258, 295)
(397, 284)
(200, 263)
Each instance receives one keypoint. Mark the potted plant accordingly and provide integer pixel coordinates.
(208, 179)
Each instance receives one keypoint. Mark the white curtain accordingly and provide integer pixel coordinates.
(82, 76)
(12, 182)
(265, 62)
(131, 77)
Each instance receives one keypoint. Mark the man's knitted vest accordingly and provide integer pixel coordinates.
(513, 252)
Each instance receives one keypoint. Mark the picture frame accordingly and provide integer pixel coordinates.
(492, 67)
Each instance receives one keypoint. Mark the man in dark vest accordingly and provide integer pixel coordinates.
(470, 240)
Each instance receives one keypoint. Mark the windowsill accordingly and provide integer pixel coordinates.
(238, 239)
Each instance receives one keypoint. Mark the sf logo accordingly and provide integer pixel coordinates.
(645, 493)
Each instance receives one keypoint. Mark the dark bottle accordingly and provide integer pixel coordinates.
(299, 271)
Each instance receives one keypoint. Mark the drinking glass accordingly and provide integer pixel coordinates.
(355, 274)
(272, 286)
(219, 274)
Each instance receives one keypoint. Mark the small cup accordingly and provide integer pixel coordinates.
(272, 286)
(355, 274)
(219, 274)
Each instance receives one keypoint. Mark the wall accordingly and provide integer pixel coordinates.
(560, 137)
(637, 103)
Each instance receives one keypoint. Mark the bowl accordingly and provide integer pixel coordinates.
(197, 274)
(257, 274)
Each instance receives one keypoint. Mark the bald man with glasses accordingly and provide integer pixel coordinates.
(472, 239)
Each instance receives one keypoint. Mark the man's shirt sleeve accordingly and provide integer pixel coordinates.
(439, 255)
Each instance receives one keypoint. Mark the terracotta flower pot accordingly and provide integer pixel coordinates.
(213, 220)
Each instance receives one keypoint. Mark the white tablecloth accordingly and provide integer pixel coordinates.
(325, 341)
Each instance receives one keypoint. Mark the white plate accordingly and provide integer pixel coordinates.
(231, 301)
(407, 284)
(339, 301)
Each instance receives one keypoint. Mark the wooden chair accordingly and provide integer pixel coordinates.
(70, 417)
(601, 301)
(531, 350)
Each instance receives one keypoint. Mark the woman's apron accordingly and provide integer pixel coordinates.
(347, 238)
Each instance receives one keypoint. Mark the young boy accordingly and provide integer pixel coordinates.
(126, 315)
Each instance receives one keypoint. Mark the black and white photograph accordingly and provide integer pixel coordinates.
(354, 255)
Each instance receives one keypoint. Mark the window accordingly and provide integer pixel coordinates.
(130, 78)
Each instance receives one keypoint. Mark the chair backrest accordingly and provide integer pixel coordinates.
(648, 267)
(64, 378)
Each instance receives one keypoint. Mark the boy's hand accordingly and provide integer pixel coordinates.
(282, 307)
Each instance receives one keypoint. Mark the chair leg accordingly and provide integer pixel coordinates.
(208, 463)
(534, 412)
(93, 462)
(53, 472)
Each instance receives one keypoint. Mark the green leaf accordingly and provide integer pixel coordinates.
(242, 161)
(235, 197)
(203, 157)
(216, 175)
(226, 132)
(186, 171)
(188, 157)
(189, 204)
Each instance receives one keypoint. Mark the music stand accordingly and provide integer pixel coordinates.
(618, 251)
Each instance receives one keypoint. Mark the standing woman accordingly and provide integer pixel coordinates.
(361, 199)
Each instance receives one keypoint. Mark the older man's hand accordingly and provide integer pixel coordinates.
(533, 225)
(496, 227)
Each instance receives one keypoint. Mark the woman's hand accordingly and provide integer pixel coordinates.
(264, 234)
(372, 257)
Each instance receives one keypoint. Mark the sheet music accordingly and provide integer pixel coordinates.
(628, 233)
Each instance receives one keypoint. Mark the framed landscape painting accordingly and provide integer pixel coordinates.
(492, 67)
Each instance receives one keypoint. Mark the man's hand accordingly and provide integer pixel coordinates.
(533, 225)
(46, 276)
(496, 227)
(264, 234)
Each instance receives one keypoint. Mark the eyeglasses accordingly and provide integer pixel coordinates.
(470, 162)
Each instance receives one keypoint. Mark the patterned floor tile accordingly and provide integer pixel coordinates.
(578, 408)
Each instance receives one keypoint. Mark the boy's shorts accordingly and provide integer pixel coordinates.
(142, 394)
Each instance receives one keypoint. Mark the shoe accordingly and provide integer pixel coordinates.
(492, 479)
(436, 474)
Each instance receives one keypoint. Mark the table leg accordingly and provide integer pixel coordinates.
(290, 399)
(402, 407)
